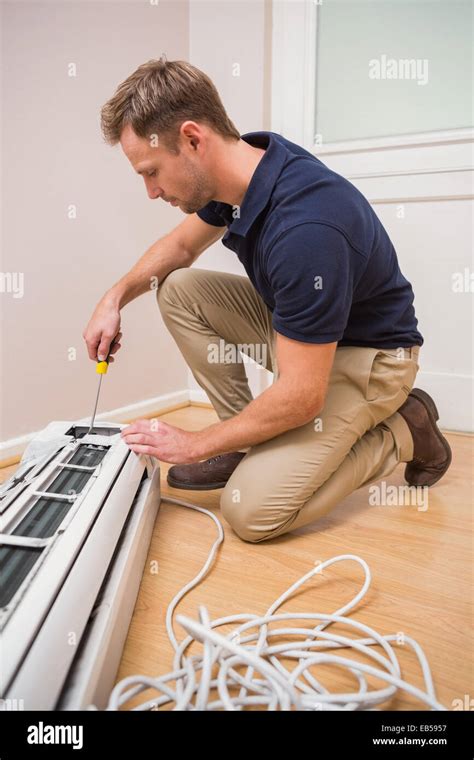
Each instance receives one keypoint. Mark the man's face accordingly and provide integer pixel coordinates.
(177, 179)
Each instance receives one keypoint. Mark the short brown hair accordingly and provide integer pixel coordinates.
(158, 97)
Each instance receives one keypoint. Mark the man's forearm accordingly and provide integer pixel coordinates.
(276, 410)
(150, 270)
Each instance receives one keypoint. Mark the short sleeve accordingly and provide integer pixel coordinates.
(310, 269)
(210, 215)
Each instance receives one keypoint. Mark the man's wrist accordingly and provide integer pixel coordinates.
(203, 446)
(114, 297)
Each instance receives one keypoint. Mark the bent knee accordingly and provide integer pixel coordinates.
(240, 517)
(174, 282)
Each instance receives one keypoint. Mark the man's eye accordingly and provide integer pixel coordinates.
(152, 173)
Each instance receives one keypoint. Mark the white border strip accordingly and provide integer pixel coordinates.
(14, 447)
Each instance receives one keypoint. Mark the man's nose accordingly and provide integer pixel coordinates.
(152, 191)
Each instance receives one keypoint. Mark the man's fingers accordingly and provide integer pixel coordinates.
(138, 437)
(92, 346)
(144, 426)
(115, 345)
(142, 449)
(106, 344)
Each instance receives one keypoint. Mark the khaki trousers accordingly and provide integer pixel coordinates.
(300, 475)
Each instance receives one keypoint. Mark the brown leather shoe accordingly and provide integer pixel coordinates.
(207, 475)
(432, 453)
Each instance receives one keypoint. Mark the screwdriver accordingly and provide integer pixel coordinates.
(101, 369)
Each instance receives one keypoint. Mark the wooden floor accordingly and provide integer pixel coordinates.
(421, 564)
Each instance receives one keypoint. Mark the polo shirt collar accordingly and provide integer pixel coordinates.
(263, 179)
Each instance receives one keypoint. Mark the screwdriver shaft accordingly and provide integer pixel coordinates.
(95, 407)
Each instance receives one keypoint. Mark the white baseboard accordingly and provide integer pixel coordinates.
(453, 395)
(15, 446)
(198, 396)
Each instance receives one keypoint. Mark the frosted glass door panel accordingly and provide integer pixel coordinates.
(391, 68)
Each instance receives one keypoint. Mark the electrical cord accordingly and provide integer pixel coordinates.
(190, 684)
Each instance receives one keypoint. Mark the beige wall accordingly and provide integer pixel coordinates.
(53, 156)
(223, 34)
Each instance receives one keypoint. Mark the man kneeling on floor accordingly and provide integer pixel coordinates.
(325, 306)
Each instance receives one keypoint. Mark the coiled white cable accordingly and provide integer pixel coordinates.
(189, 685)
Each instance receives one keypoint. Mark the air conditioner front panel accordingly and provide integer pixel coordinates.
(60, 538)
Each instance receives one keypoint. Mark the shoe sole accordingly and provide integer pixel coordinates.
(194, 486)
(433, 415)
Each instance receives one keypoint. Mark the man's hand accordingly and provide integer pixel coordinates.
(102, 334)
(162, 441)
(294, 399)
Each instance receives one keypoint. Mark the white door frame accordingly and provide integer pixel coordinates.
(422, 168)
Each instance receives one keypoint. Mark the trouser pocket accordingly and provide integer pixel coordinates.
(390, 373)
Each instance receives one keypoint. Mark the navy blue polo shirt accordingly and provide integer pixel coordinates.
(316, 252)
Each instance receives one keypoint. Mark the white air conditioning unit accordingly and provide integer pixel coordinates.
(76, 522)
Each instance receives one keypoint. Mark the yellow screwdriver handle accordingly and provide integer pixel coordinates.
(102, 367)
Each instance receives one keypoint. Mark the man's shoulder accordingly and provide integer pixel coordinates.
(313, 198)
(307, 191)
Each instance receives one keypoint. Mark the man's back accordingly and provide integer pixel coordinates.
(316, 252)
